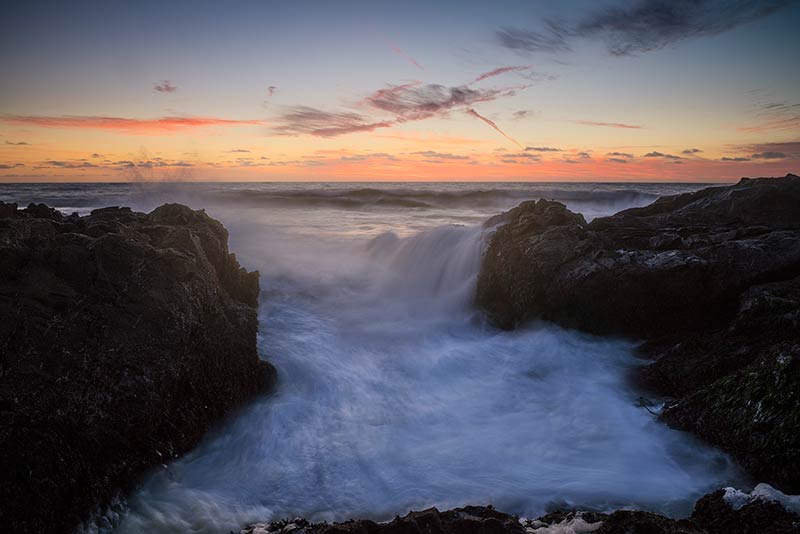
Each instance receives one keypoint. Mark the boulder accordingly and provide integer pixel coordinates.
(124, 337)
(675, 266)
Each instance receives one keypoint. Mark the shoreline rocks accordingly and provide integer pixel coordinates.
(124, 337)
(725, 511)
(709, 280)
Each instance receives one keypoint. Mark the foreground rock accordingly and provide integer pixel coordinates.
(722, 512)
(124, 337)
(711, 279)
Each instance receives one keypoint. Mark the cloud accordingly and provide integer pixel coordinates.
(790, 148)
(67, 164)
(690, 151)
(739, 158)
(409, 102)
(312, 121)
(542, 149)
(553, 39)
(524, 113)
(165, 86)
(397, 50)
(501, 70)
(371, 156)
(523, 155)
(620, 154)
(769, 155)
(775, 116)
(661, 155)
(18, 143)
(414, 101)
(642, 25)
(493, 125)
(609, 124)
(439, 155)
(120, 124)
(617, 160)
(96, 156)
(4, 166)
(584, 155)
(239, 151)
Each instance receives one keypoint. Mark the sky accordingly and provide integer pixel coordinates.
(528, 90)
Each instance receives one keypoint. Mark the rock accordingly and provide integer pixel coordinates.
(711, 281)
(760, 513)
(675, 266)
(716, 515)
(125, 336)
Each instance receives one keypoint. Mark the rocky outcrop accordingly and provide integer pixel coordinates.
(124, 336)
(710, 279)
(715, 513)
(677, 265)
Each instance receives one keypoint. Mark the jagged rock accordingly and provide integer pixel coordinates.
(124, 337)
(716, 515)
(760, 512)
(675, 266)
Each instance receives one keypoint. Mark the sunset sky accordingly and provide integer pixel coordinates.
(448, 90)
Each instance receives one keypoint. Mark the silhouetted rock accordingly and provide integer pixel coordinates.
(124, 337)
(761, 515)
(675, 266)
(756, 513)
(711, 279)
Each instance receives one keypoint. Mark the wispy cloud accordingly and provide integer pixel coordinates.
(690, 151)
(439, 155)
(790, 148)
(5, 166)
(399, 51)
(620, 154)
(17, 143)
(493, 125)
(662, 155)
(542, 149)
(312, 121)
(769, 155)
(501, 70)
(609, 124)
(164, 86)
(617, 160)
(737, 158)
(552, 39)
(414, 101)
(642, 25)
(409, 102)
(121, 124)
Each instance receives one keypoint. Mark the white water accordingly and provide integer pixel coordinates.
(394, 394)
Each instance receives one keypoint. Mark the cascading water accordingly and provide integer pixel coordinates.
(394, 395)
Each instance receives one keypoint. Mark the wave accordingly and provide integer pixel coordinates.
(367, 198)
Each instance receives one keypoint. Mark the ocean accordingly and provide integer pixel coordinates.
(394, 393)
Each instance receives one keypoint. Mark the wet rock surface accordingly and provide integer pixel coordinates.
(711, 281)
(124, 336)
(713, 514)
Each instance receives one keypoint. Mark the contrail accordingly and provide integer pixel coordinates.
(493, 125)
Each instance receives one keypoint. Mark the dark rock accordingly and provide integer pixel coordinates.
(677, 265)
(124, 337)
(712, 515)
(467, 520)
(761, 516)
